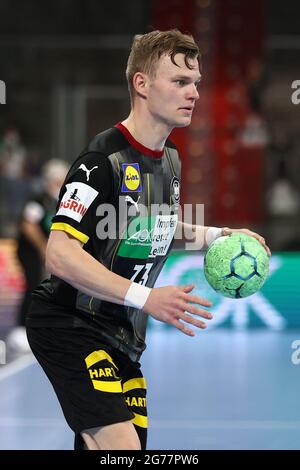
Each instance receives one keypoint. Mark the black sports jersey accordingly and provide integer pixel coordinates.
(109, 202)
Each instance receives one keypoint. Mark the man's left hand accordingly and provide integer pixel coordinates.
(229, 231)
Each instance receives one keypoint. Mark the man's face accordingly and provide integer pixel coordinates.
(173, 92)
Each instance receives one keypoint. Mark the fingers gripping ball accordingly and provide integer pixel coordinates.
(236, 266)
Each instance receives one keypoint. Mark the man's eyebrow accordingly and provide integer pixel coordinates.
(186, 77)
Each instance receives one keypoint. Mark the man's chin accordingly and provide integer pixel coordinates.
(183, 122)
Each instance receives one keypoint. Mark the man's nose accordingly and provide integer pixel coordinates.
(193, 92)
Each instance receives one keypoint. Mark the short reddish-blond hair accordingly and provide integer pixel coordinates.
(147, 49)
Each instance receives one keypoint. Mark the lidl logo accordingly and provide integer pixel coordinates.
(132, 178)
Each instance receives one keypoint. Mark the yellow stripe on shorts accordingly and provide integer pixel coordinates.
(98, 356)
(132, 384)
(111, 387)
(139, 420)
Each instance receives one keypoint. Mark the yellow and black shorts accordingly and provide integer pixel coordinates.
(96, 384)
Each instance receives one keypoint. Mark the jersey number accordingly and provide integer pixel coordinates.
(138, 270)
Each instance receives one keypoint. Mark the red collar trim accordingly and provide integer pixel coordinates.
(141, 148)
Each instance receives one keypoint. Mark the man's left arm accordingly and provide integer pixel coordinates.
(199, 237)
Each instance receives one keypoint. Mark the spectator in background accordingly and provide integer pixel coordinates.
(283, 199)
(254, 133)
(13, 154)
(32, 239)
(14, 188)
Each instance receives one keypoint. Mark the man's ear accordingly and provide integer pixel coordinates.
(140, 82)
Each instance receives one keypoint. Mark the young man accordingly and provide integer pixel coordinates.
(87, 323)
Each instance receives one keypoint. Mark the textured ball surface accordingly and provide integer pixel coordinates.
(236, 266)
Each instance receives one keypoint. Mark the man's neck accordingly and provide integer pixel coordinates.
(146, 131)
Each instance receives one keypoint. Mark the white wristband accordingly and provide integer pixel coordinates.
(136, 295)
(212, 234)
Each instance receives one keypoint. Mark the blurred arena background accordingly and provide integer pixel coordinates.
(235, 386)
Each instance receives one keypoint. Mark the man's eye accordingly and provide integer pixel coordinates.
(180, 82)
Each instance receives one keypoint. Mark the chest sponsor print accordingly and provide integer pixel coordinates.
(148, 237)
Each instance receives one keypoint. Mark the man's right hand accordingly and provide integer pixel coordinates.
(171, 304)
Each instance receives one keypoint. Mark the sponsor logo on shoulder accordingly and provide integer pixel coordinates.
(76, 200)
(86, 170)
(74, 195)
(132, 181)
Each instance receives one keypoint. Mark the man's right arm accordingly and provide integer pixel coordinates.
(66, 259)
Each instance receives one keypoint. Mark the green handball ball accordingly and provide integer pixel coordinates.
(236, 266)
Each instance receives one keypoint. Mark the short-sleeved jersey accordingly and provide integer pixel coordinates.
(120, 199)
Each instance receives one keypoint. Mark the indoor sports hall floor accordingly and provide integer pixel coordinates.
(222, 389)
